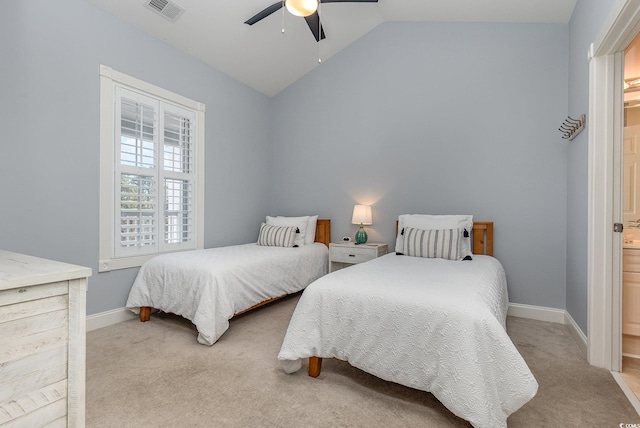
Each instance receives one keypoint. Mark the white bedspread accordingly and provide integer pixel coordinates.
(209, 286)
(430, 324)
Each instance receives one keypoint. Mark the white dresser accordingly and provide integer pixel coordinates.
(42, 342)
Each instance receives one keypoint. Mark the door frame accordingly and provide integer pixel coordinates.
(606, 112)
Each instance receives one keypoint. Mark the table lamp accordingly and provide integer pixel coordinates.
(361, 216)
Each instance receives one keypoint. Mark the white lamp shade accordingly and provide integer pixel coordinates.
(362, 215)
(301, 7)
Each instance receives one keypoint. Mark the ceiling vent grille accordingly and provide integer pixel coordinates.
(167, 9)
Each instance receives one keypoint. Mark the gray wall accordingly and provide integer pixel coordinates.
(437, 118)
(49, 113)
(586, 21)
(414, 117)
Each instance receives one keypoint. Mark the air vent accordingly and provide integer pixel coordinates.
(167, 9)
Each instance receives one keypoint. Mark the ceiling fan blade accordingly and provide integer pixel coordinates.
(313, 21)
(264, 13)
(348, 1)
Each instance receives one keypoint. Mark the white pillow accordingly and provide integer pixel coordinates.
(276, 236)
(310, 230)
(427, 222)
(300, 222)
(433, 243)
(310, 234)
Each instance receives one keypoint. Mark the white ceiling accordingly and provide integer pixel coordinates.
(263, 57)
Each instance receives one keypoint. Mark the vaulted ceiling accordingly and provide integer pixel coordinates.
(267, 59)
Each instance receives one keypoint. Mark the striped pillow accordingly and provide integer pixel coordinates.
(276, 236)
(435, 243)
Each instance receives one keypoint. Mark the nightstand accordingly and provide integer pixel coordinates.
(343, 254)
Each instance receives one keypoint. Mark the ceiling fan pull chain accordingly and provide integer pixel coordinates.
(319, 31)
(283, 16)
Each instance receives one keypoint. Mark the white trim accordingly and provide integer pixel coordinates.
(105, 240)
(114, 75)
(576, 332)
(627, 391)
(617, 212)
(600, 214)
(537, 313)
(619, 29)
(605, 111)
(557, 316)
(105, 319)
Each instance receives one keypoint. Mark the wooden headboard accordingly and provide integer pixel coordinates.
(323, 231)
(482, 236)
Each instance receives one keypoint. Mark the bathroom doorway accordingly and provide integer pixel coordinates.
(631, 219)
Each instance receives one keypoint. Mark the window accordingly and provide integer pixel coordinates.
(151, 171)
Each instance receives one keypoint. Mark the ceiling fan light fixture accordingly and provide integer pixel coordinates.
(301, 7)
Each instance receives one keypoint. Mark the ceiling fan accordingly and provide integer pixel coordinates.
(304, 8)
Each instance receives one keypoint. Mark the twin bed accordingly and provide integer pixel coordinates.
(429, 323)
(432, 318)
(209, 287)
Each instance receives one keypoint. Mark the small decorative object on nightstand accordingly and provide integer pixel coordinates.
(361, 216)
(344, 254)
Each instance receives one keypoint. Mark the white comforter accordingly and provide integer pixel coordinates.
(209, 286)
(430, 324)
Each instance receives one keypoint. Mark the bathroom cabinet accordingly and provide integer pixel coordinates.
(631, 292)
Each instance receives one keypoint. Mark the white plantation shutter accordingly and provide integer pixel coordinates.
(155, 174)
(138, 207)
(178, 175)
(151, 171)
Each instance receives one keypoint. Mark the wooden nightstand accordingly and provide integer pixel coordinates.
(343, 254)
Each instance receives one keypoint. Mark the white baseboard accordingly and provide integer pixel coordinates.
(558, 316)
(537, 313)
(578, 335)
(105, 319)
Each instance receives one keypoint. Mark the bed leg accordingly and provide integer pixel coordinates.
(315, 365)
(145, 313)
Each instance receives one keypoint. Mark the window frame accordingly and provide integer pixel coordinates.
(109, 80)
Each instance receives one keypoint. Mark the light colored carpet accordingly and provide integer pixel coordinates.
(156, 374)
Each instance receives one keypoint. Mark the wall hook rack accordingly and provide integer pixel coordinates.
(572, 127)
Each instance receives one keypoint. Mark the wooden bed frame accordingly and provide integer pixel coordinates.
(323, 235)
(482, 243)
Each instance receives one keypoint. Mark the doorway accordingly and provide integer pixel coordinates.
(605, 184)
(630, 365)
(605, 201)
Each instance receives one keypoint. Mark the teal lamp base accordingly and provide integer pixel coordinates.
(361, 236)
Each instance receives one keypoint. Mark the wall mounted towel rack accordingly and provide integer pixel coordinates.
(572, 127)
